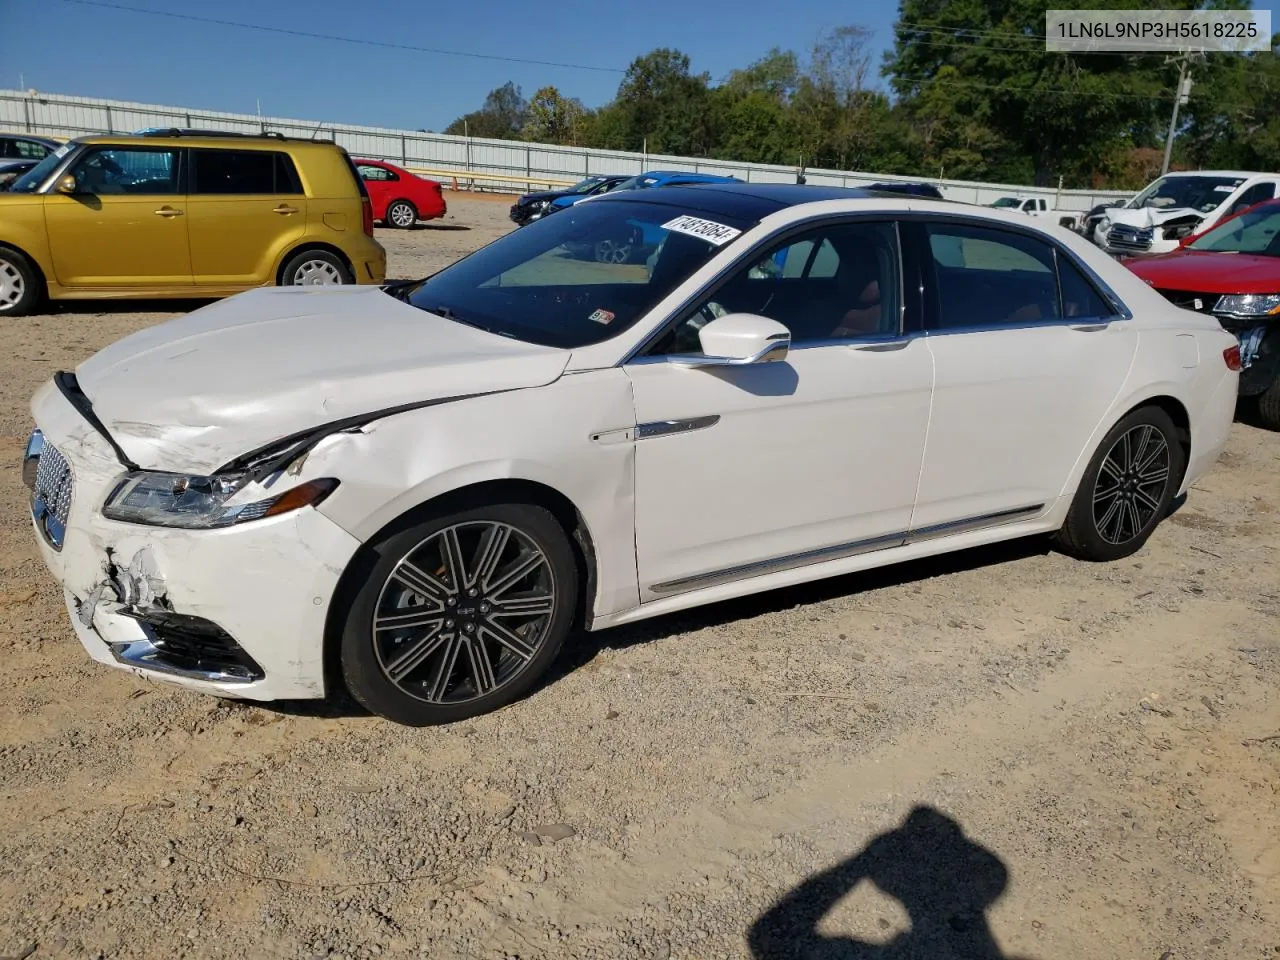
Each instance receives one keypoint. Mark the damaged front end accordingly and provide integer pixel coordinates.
(178, 644)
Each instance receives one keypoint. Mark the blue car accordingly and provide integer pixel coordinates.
(654, 178)
(646, 236)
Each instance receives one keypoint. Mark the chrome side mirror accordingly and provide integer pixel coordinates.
(66, 184)
(738, 339)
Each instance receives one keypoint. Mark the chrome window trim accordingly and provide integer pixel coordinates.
(1106, 293)
(1101, 287)
(843, 551)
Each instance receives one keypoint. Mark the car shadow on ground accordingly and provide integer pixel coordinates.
(944, 881)
(94, 307)
(584, 647)
(431, 226)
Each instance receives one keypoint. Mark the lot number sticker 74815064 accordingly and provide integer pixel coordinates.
(714, 233)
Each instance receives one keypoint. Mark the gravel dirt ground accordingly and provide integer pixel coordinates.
(1022, 756)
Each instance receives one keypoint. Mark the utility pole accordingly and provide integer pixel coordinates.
(1184, 92)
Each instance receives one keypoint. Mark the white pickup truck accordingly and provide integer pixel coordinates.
(1039, 207)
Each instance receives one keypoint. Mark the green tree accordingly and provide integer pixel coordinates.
(660, 101)
(554, 118)
(1049, 113)
(502, 117)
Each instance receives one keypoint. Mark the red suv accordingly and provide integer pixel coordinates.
(400, 198)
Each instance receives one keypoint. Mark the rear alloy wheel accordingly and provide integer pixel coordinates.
(315, 268)
(612, 251)
(401, 214)
(460, 615)
(1126, 489)
(20, 287)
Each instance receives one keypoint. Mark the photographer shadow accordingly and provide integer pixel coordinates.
(943, 880)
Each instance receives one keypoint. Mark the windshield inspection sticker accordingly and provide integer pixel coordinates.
(714, 233)
(602, 316)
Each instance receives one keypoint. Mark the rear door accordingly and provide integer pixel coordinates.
(1028, 357)
(245, 208)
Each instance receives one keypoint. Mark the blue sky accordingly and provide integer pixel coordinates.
(61, 46)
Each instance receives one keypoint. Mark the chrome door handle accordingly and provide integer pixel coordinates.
(284, 210)
(1090, 327)
(168, 212)
(880, 346)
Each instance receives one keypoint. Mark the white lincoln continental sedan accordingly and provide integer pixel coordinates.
(418, 491)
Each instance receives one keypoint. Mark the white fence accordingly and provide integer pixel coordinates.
(497, 164)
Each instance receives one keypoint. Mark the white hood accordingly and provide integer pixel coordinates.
(1152, 216)
(200, 390)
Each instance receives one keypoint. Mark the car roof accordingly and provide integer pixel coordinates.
(752, 201)
(1216, 173)
(204, 138)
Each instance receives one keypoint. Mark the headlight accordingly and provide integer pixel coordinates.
(1249, 304)
(201, 503)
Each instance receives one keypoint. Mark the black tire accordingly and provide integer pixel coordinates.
(21, 287)
(321, 265)
(1269, 406)
(401, 214)
(448, 618)
(1115, 509)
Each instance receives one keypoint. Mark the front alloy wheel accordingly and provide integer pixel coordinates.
(460, 615)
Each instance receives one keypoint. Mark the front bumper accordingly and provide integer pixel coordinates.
(260, 591)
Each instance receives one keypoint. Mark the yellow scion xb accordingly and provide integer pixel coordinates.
(179, 213)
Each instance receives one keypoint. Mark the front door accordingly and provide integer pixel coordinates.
(763, 467)
(247, 208)
(126, 223)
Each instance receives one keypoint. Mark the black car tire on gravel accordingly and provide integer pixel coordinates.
(320, 263)
(423, 645)
(1269, 406)
(1126, 489)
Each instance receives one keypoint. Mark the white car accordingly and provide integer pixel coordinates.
(419, 492)
(1178, 205)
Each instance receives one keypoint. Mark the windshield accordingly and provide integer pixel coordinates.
(1006, 202)
(1256, 231)
(28, 182)
(585, 186)
(1198, 193)
(580, 277)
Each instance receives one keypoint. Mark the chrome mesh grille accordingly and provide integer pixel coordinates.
(54, 484)
(1124, 237)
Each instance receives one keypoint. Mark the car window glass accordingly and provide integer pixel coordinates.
(839, 282)
(1255, 194)
(31, 150)
(581, 276)
(128, 170)
(986, 277)
(1079, 297)
(372, 173)
(241, 172)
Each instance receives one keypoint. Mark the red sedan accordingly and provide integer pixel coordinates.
(400, 198)
(1232, 271)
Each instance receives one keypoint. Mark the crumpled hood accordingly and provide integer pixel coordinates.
(198, 391)
(1152, 216)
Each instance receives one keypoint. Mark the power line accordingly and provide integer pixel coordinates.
(329, 36)
(930, 81)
